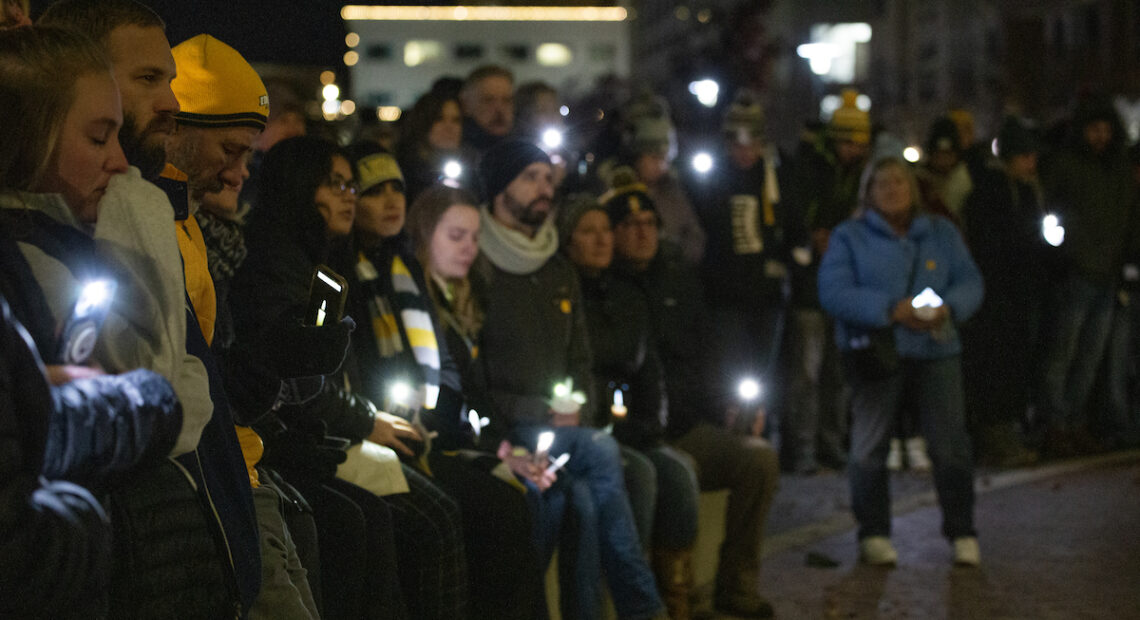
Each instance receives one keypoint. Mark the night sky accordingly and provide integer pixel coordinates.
(303, 32)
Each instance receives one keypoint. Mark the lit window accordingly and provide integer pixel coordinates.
(553, 55)
(419, 52)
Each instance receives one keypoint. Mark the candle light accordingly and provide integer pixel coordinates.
(542, 447)
(618, 409)
(567, 400)
(477, 423)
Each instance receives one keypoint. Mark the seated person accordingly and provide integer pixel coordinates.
(533, 337)
(402, 362)
(747, 466)
(626, 367)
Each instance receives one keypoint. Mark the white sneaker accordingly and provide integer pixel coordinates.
(894, 457)
(966, 552)
(878, 551)
(916, 458)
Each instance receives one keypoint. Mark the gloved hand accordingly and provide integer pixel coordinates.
(298, 350)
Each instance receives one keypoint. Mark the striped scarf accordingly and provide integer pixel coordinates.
(401, 322)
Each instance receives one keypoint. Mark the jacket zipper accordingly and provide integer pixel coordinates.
(218, 520)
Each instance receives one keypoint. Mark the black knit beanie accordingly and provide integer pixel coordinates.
(505, 161)
(1017, 137)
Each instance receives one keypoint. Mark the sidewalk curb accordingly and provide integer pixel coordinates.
(985, 483)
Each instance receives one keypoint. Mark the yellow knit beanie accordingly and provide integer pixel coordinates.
(216, 87)
(849, 122)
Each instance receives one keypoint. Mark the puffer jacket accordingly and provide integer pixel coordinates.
(215, 526)
(866, 270)
(51, 532)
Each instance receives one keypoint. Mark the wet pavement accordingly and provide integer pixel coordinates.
(1059, 541)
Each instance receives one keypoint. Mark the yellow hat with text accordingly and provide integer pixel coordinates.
(849, 122)
(216, 87)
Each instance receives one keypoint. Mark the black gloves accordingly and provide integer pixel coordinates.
(305, 351)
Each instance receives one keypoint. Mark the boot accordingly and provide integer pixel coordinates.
(674, 571)
(737, 596)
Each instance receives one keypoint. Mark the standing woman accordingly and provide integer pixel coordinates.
(876, 264)
(430, 138)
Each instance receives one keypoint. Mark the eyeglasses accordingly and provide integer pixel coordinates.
(338, 183)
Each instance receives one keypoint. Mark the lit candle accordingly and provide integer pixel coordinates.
(542, 447)
(618, 408)
(477, 423)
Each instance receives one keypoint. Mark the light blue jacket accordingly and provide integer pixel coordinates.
(865, 272)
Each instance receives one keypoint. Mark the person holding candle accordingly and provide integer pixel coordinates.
(402, 361)
(745, 465)
(876, 264)
(532, 337)
(629, 375)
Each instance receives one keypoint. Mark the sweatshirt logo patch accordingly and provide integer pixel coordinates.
(931, 265)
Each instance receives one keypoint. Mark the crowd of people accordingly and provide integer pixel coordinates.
(532, 344)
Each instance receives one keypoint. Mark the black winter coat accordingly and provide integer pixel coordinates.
(267, 298)
(625, 358)
(680, 326)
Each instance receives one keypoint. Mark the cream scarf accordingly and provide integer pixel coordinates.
(514, 252)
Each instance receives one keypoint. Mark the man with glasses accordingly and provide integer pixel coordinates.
(744, 465)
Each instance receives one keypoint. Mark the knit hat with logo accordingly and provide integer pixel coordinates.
(627, 197)
(375, 169)
(216, 87)
(849, 122)
(744, 119)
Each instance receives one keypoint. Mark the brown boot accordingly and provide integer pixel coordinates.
(674, 571)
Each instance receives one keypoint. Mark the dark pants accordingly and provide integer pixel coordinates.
(504, 573)
(815, 423)
(663, 492)
(936, 389)
(359, 576)
(429, 545)
(749, 469)
(1074, 348)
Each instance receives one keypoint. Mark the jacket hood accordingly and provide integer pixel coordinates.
(1093, 109)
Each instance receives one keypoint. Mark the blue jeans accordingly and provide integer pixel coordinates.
(936, 387)
(605, 537)
(664, 495)
(1073, 349)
